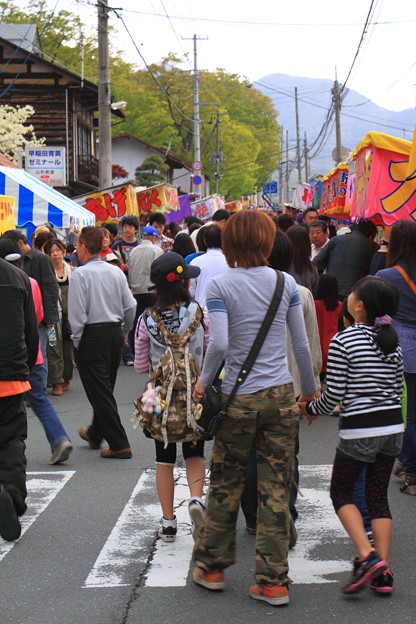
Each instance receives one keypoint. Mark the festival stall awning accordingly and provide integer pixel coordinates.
(205, 208)
(160, 198)
(110, 204)
(37, 203)
(382, 179)
(334, 190)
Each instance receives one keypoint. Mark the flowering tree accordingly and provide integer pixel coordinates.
(118, 172)
(14, 132)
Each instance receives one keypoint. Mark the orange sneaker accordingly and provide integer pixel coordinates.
(273, 594)
(210, 580)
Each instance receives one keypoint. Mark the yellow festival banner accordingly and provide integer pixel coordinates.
(160, 198)
(7, 213)
(111, 204)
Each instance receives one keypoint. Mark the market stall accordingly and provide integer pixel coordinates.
(382, 179)
(37, 203)
(333, 193)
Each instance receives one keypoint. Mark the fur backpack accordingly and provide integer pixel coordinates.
(165, 409)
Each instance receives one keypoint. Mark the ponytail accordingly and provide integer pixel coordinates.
(381, 300)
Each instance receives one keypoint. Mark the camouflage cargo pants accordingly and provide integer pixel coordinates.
(269, 417)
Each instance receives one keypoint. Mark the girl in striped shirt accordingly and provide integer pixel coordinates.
(365, 374)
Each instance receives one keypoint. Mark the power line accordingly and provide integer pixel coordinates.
(363, 34)
(162, 90)
(384, 91)
(266, 24)
(25, 61)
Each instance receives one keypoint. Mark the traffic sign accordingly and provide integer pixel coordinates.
(271, 187)
(197, 179)
(197, 165)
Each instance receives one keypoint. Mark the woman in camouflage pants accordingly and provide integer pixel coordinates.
(263, 411)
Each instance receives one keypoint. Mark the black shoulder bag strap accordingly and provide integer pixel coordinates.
(260, 338)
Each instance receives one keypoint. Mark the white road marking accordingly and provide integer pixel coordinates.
(133, 536)
(317, 524)
(42, 487)
(171, 560)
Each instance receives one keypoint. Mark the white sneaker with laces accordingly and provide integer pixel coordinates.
(168, 529)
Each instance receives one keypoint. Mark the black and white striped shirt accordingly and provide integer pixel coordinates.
(367, 383)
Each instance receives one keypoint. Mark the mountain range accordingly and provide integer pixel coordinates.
(359, 116)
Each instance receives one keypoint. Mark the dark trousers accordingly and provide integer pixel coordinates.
(99, 355)
(143, 302)
(250, 493)
(13, 433)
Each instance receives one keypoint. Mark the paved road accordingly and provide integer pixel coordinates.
(89, 555)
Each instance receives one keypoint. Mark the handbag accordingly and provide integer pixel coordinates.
(65, 325)
(211, 408)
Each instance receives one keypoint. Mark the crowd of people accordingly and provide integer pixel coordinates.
(184, 304)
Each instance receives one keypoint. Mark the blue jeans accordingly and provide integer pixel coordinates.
(43, 340)
(42, 407)
(408, 452)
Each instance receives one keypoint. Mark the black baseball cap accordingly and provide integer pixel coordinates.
(170, 267)
(10, 250)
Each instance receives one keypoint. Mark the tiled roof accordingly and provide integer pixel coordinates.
(6, 162)
(23, 35)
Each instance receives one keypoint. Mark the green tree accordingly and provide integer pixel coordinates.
(160, 108)
(151, 171)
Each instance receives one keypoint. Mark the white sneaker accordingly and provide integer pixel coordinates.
(197, 511)
(168, 529)
(61, 452)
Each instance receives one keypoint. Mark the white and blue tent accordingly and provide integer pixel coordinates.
(38, 203)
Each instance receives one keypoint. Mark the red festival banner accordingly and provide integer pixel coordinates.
(334, 192)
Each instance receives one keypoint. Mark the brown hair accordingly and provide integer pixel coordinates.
(212, 236)
(42, 238)
(92, 238)
(402, 245)
(247, 239)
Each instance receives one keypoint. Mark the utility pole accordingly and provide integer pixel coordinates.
(280, 197)
(297, 138)
(217, 153)
(287, 166)
(104, 97)
(197, 144)
(336, 95)
(305, 151)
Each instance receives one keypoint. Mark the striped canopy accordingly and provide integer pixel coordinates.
(38, 203)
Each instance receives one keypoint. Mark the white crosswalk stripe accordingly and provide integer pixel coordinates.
(133, 535)
(42, 487)
(132, 539)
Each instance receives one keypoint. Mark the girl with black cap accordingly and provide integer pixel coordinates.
(175, 315)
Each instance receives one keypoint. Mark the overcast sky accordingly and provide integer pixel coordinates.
(296, 37)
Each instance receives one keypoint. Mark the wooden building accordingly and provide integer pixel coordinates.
(64, 103)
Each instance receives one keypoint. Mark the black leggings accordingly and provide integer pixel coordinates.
(345, 473)
(168, 455)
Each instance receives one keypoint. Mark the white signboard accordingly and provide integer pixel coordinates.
(47, 164)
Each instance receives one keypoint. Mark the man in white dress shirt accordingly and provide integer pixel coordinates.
(101, 310)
